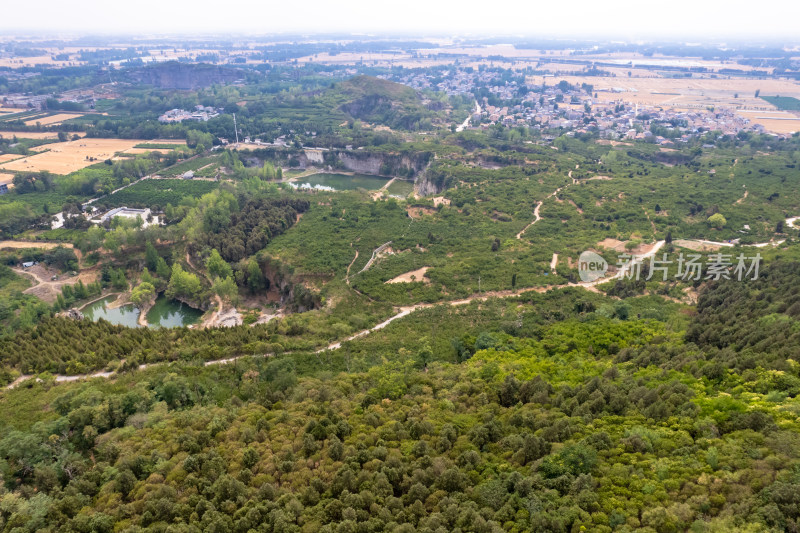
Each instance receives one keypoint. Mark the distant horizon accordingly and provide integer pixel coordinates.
(682, 21)
(472, 39)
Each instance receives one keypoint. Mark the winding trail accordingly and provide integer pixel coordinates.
(347, 275)
(537, 218)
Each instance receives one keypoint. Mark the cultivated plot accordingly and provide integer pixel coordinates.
(66, 157)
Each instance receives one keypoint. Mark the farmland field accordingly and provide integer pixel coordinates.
(787, 103)
(36, 134)
(66, 157)
(52, 119)
(776, 121)
(190, 164)
(158, 192)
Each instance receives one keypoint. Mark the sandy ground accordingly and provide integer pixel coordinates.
(33, 244)
(48, 290)
(66, 157)
(418, 275)
(612, 244)
(778, 122)
(53, 119)
(695, 245)
(36, 134)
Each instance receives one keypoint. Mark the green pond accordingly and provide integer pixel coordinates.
(400, 188)
(125, 315)
(339, 182)
(167, 313)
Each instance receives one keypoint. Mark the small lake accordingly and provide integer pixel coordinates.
(124, 315)
(339, 182)
(167, 313)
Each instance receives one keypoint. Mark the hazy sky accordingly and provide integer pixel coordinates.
(727, 19)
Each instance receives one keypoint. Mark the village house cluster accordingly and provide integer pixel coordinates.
(576, 109)
(200, 114)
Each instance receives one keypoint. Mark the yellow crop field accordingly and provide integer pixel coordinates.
(53, 119)
(66, 157)
(36, 134)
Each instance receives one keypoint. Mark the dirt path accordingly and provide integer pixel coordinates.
(742, 199)
(537, 218)
(347, 275)
(790, 222)
(465, 124)
(554, 262)
(652, 225)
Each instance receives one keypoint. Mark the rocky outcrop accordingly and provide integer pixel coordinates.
(379, 163)
(425, 187)
(73, 313)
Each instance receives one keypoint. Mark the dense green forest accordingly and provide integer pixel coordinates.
(580, 419)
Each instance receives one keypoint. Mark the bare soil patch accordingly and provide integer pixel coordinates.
(419, 212)
(696, 246)
(612, 244)
(412, 276)
(47, 289)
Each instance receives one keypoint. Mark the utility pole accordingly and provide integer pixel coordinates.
(479, 284)
(235, 131)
